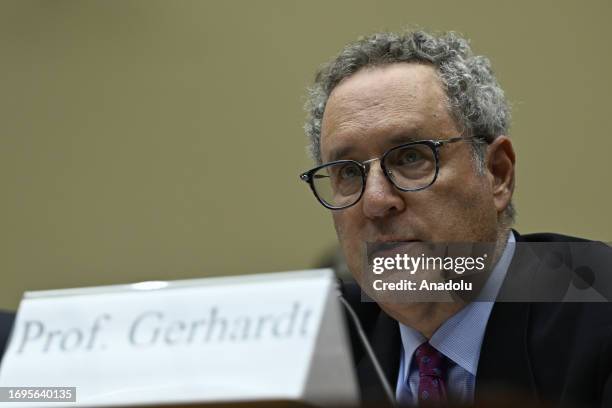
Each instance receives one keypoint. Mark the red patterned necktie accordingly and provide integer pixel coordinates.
(432, 372)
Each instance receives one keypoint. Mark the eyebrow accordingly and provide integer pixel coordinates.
(340, 153)
(399, 139)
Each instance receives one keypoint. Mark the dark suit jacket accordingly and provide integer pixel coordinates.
(6, 324)
(545, 352)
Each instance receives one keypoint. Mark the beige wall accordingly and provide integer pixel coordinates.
(162, 139)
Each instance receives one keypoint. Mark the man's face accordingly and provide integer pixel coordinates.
(377, 109)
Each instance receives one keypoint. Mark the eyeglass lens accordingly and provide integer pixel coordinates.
(409, 167)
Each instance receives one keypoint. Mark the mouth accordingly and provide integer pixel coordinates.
(389, 248)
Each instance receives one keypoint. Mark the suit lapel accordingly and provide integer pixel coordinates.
(504, 362)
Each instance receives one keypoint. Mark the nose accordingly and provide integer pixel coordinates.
(380, 198)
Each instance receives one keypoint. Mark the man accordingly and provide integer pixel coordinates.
(410, 134)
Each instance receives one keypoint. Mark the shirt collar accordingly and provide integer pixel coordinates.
(460, 337)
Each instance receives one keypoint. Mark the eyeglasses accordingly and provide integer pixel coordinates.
(411, 166)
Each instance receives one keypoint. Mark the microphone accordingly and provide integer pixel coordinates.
(366, 345)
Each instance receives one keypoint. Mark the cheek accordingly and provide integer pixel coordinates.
(348, 230)
(465, 209)
(346, 226)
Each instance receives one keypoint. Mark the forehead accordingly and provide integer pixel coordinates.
(401, 99)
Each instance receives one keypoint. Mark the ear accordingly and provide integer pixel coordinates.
(500, 161)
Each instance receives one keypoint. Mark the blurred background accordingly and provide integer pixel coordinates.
(145, 140)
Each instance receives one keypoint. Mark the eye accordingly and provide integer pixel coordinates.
(348, 172)
(409, 156)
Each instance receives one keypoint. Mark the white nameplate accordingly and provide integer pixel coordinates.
(254, 338)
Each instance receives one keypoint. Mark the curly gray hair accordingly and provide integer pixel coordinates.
(475, 99)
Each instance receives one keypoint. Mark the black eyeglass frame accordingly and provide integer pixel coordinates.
(364, 167)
